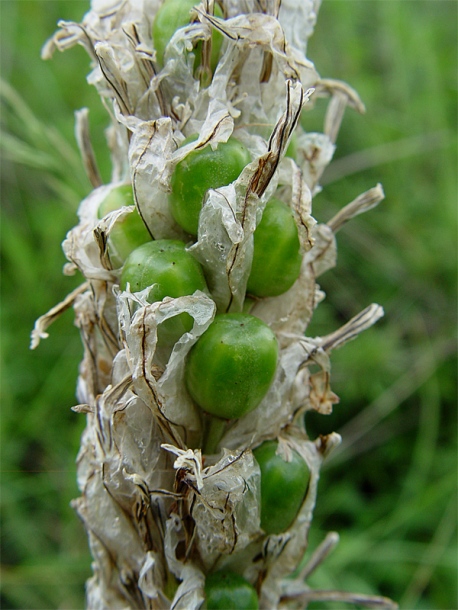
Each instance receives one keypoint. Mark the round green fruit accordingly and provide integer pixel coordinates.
(175, 14)
(226, 590)
(171, 271)
(202, 170)
(231, 367)
(127, 233)
(283, 487)
(277, 257)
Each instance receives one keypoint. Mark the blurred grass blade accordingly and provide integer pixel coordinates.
(422, 144)
(27, 140)
(34, 130)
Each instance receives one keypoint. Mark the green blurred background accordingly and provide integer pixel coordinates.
(390, 491)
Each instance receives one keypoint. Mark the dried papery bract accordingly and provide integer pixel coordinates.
(160, 514)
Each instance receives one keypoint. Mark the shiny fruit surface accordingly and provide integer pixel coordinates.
(283, 487)
(226, 590)
(202, 170)
(277, 257)
(232, 365)
(171, 271)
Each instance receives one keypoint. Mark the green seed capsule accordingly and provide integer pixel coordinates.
(128, 233)
(283, 487)
(175, 14)
(171, 271)
(202, 170)
(226, 590)
(276, 255)
(232, 365)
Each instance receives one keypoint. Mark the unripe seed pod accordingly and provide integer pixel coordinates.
(232, 365)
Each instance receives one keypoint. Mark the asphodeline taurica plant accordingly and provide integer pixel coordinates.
(200, 262)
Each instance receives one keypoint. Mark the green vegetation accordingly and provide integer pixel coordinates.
(390, 490)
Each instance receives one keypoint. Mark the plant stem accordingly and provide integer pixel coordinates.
(214, 430)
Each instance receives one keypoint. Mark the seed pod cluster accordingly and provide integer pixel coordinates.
(200, 259)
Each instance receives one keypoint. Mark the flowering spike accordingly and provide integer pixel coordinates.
(170, 492)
